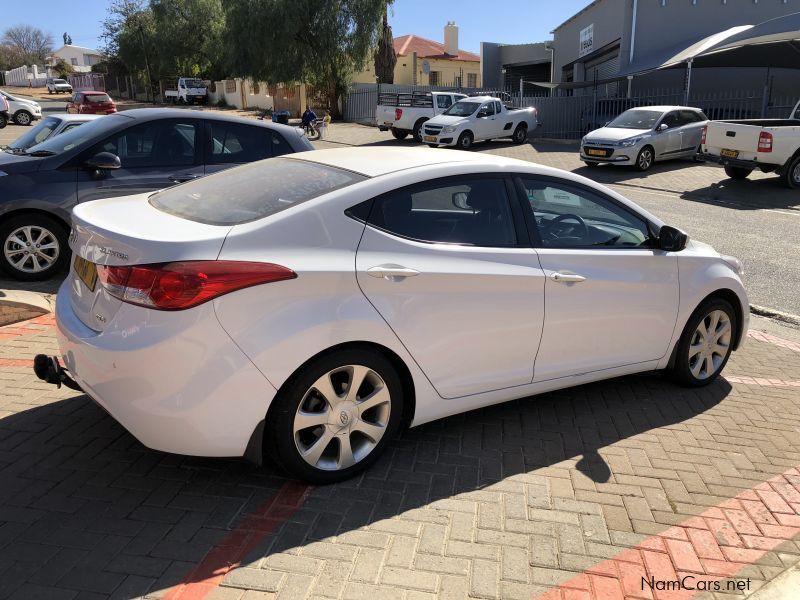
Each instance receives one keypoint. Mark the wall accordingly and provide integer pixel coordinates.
(449, 70)
(84, 57)
(403, 71)
(21, 77)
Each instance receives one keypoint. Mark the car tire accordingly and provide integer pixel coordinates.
(49, 91)
(701, 355)
(3, 121)
(433, 145)
(520, 134)
(737, 173)
(399, 134)
(791, 174)
(645, 159)
(417, 131)
(303, 416)
(28, 229)
(591, 164)
(23, 117)
(465, 140)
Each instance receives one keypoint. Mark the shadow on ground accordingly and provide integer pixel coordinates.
(84, 506)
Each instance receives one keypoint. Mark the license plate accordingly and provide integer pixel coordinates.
(729, 153)
(86, 271)
(429, 138)
(593, 152)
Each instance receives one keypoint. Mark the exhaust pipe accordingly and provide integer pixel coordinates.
(48, 369)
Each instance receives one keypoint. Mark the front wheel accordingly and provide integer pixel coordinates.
(399, 134)
(23, 117)
(705, 344)
(645, 158)
(791, 174)
(34, 247)
(738, 173)
(465, 140)
(334, 418)
(418, 129)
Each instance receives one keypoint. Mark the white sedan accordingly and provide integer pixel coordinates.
(307, 307)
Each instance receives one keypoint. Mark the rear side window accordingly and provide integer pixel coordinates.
(239, 143)
(252, 191)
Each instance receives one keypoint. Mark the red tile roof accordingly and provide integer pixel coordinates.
(406, 44)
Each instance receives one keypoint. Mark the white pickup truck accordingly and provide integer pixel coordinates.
(479, 118)
(741, 146)
(187, 90)
(406, 113)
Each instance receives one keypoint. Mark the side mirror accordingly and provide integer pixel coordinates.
(663, 127)
(103, 161)
(482, 114)
(672, 239)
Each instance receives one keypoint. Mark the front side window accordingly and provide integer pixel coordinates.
(152, 144)
(252, 191)
(570, 216)
(474, 212)
(443, 101)
(672, 120)
(487, 110)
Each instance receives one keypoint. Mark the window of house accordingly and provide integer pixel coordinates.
(472, 80)
(435, 78)
(74, 62)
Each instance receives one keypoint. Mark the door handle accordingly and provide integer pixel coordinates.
(182, 177)
(391, 272)
(566, 277)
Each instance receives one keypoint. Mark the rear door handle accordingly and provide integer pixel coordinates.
(391, 272)
(566, 277)
(182, 177)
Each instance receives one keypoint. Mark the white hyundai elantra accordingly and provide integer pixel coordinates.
(304, 308)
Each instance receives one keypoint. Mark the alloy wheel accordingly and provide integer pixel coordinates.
(22, 118)
(710, 344)
(342, 417)
(645, 159)
(31, 248)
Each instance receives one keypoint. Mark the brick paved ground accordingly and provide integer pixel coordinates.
(504, 502)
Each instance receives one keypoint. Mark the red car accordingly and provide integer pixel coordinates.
(91, 103)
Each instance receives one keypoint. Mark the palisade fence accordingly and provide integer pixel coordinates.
(571, 117)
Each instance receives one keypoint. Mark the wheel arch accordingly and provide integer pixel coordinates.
(18, 212)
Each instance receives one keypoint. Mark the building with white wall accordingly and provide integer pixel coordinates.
(79, 57)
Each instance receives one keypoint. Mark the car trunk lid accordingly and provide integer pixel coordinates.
(125, 232)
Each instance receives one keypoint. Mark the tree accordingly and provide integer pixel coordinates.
(385, 56)
(30, 44)
(62, 68)
(321, 42)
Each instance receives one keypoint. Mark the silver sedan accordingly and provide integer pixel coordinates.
(641, 136)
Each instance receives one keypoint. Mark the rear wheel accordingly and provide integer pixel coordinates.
(333, 419)
(418, 129)
(465, 140)
(791, 174)
(399, 134)
(520, 134)
(645, 158)
(34, 247)
(705, 344)
(737, 172)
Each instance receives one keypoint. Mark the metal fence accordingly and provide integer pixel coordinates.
(571, 117)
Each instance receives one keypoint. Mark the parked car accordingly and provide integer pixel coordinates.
(136, 151)
(479, 118)
(187, 90)
(607, 110)
(47, 128)
(57, 86)
(3, 112)
(406, 113)
(91, 103)
(643, 135)
(310, 322)
(741, 146)
(22, 111)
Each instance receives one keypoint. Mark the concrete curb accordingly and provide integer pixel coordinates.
(19, 305)
(775, 314)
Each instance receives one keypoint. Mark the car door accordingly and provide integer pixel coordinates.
(443, 102)
(668, 142)
(74, 103)
(229, 144)
(692, 124)
(611, 299)
(154, 155)
(448, 266)
(483, 125)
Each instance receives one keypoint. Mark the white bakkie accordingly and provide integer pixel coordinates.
(405, 114)
(479, 118)
(306, 307)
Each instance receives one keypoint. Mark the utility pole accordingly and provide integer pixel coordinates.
(146, 63)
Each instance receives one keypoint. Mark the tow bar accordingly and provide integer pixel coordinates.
(48, 369)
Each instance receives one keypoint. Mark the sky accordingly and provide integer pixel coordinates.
(509, 21)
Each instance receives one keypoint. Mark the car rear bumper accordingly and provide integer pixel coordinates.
(175, 380)
(736, 162)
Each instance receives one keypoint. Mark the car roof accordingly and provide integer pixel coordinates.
(72, 118)
(146, 114)
(373, 162)
(666, 108)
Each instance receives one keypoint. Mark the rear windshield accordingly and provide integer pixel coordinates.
(252, 191)
(97, 98)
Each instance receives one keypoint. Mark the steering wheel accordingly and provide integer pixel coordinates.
(555, 226)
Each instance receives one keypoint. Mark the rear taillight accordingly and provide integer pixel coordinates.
(765, 142)
(703, 135)
(181, 285)
(398, 112)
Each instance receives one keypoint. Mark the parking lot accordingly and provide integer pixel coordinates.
(579, 494)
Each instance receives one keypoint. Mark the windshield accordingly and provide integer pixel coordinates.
(193, 83)
(59, 81)
(462, 108)
(97, 98)
(252, 191)
(636, 118)
(36, 135)
(94, 130)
